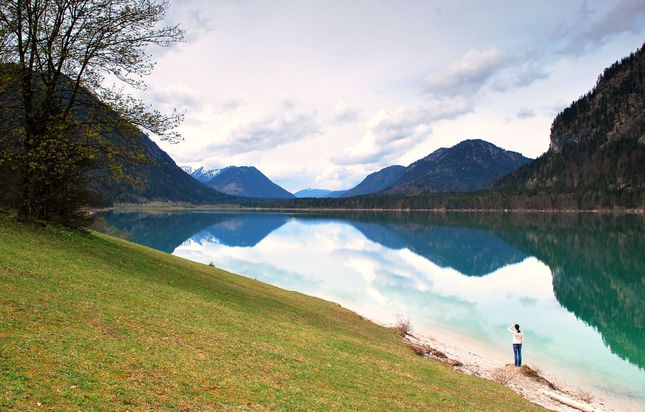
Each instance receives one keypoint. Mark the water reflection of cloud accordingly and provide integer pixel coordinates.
(367, 268)
(528, 301)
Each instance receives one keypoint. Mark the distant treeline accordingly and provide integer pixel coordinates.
(483, 200)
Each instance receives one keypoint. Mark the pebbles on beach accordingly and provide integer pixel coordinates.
(529, 382)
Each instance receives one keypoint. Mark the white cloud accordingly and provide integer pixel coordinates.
(467, 75)
(627, 16)
(344, 114)
(522, 75)
(192, 16)
(175, 96)
(230, 105)
(269, 133)
(395, 132)
(525, 113)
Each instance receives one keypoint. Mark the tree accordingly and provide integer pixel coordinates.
(58, 56)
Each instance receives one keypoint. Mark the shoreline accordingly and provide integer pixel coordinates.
(165, 207)
(529, 382)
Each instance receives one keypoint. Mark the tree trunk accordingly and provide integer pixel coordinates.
(28, 206)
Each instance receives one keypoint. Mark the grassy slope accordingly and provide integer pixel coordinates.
(94, 322)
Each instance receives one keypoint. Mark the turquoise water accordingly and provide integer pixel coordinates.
(576, 283)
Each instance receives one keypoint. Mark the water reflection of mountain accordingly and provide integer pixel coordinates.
(166, 231)
(598, 261)
(241, 230)
(598, 274)
(473, 252)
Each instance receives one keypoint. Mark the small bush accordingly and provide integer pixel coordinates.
(420, 350)
(403, 325)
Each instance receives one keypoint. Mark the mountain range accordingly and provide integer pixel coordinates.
(597, 151)
(595, 159)
(309, 192)
(470, 165)
(594, 162)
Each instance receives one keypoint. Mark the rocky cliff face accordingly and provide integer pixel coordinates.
(612, 110)
(597, 147)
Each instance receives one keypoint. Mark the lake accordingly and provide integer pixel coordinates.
(575, 282)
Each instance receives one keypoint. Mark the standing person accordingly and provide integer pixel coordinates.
(518, 339)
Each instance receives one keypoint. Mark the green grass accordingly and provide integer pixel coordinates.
(91, 322)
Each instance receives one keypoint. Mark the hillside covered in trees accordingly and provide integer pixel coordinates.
(597, 143)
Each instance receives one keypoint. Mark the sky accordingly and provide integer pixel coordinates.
(321, 93)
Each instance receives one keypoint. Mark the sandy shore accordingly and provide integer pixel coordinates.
(531, 383)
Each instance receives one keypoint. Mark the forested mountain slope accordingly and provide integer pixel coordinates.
(598, 143)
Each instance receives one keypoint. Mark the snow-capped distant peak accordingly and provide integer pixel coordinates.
(202, 173)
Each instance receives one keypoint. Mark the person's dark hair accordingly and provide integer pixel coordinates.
(517, 327)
